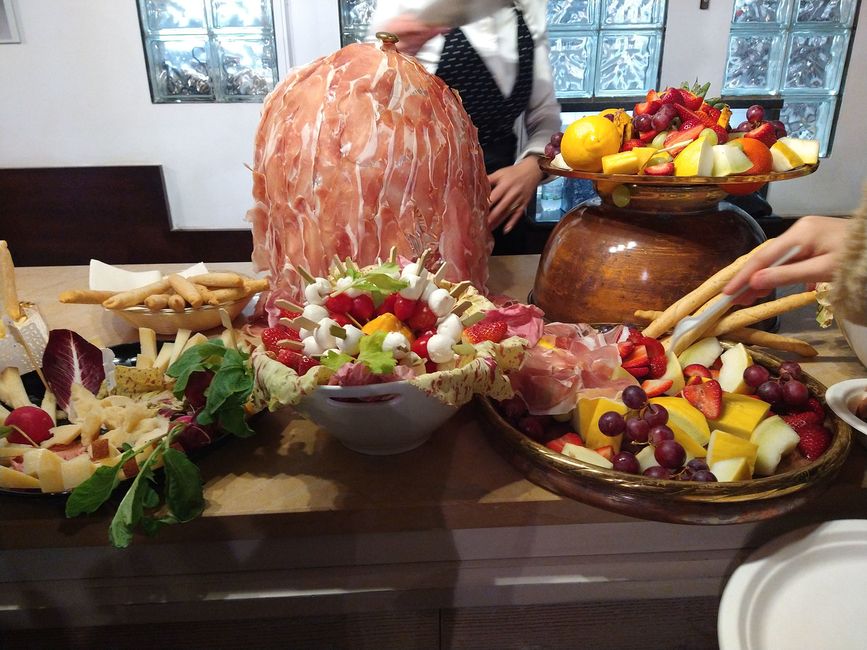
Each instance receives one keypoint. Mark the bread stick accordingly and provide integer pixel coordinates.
(136, 296)
(85, 296)
(698, 296)
(219, 280)
(177, 302)
(186, 289)
(157, 301)
(222, 296)
(255, 286)
(10, 304)
(204, 292)
(750, 315)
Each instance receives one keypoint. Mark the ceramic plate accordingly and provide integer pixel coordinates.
(841, 398)
(803, 590)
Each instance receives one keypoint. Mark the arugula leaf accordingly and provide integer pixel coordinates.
(131, 509)
(207, 356)
(335, 360)
(96, 490)
(371, 354)
(183, 486)
(5, 431)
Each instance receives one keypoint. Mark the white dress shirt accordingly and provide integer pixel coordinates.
(494, 37)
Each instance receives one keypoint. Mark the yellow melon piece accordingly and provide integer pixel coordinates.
(624, 162)
(731, 469)
(595, 438)
(582, 415)
(683, 415)
(724, 445)
(741, 414)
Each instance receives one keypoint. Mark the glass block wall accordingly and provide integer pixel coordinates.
(599, 48)
(795, 49)
(209, 50)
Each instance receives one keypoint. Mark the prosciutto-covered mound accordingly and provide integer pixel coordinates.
(361, 151)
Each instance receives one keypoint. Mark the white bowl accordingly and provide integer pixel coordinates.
(842, 398)
(400, 419)
(856, 337)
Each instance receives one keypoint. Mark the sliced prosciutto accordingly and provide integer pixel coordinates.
(361, 151)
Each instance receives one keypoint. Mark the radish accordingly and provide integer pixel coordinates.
(33, 422)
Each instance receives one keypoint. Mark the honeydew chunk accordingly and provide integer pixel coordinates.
(783, 158)
(731, 469)
(774, 439)
(30, 460)
(15, 480)
(740, 414)
(731, 374)
(728, 160)
(586, 455)
(807, 150)
(704, 351)
(50, 472)
(76, 471)
(674, 372)
(724, 445)
(646, 458)
(684, 416)
(595, 438)
(62, 435)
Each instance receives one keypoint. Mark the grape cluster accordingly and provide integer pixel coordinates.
(553, 147)
(644, 424)
(756, 117)
(785, 392)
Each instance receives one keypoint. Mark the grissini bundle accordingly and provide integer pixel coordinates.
(85, 296)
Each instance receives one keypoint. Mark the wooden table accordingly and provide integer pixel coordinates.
(438, 546)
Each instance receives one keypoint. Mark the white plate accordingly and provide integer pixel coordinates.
(841, 398)
(807, 589)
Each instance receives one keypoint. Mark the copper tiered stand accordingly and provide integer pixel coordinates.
(602, 262)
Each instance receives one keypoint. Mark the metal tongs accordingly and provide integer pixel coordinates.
(689, 323)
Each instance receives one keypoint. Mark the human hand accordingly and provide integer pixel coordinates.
(511, 190)
(412, 32)
(822, 240)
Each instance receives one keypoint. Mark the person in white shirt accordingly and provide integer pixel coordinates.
(498, 62)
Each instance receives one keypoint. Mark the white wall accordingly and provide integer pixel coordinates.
(75, 92)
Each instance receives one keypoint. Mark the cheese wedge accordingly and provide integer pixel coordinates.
(11, 479)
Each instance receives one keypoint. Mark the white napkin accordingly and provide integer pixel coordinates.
(105, 277)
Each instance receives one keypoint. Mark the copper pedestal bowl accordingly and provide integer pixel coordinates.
(602, 262)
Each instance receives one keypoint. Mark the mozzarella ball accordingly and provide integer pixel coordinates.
(349, 345)
(440, 302)
(451, 327)
(439, 348)
(323, 334)
(397, 343)
(311, 347)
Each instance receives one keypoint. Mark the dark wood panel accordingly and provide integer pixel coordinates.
(67, 215)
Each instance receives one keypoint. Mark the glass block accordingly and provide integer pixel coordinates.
(829, 12)
(806, 117)
(628, 63)
(248, 68)
(815, 61)
(573, 59)
(761, 11)
(572, 13)
(239, 14)
(356, 13)
(175, 14)
(644, 13)
(753, 64)
(180, 69)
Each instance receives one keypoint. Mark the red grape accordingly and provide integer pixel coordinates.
(533, 426)
(550, 150)
(790, 370)
(557, 138)
(744, 126)
(779, 127)
(33, 421)
(657, 471)
(611, 423)
(697, 464)
(704, 476)
(756, 375)
(755, 113)
(637, 429)
(771, 392)
(634, 397)
(655, 414)
(661, 121)
(642, 123)
(670, 454)
(795, 393)
(659, 434)
(626, 462)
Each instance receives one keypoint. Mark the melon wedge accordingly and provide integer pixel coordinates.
(695, 160)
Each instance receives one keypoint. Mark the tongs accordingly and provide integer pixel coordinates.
(709, 315)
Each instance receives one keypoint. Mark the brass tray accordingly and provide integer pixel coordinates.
(680, 502)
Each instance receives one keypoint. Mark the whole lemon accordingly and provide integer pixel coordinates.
(586, 140)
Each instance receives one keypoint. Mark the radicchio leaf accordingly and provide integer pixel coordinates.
(69, 359)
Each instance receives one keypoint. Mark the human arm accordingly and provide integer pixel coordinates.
(822, 240)
(512, 188)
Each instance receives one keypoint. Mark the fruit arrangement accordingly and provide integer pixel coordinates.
(677, 132)
(706, 415)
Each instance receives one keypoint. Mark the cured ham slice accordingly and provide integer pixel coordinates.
(360, 151)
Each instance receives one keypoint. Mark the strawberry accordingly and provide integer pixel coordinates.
(714, 373)
(672, 96)
(706, 397)
(363, 308)
(625, 348)
(658, 366)
(638, 371)
(692, 101)
(431, 366)
(630, 144)
(647, 136)
(801, 421)
(647, 108)
(340, 319)
(305, 363)
(764, 133)
(691, 123)
(271, 336)
(688, 116)
(816, 407)
(660, 169)
(814, 441)
(656, 387)
(680, 139)
(339, 304)
(288, 358)
(711, 111)
(487, 330)
(606, 452)
(722, 136)
(635, 336)
(422, 318)
(513, 408)
(387, 306)
(696, 370)
(695, 379)
(637, 358)
(404, 308)
(557, 444)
